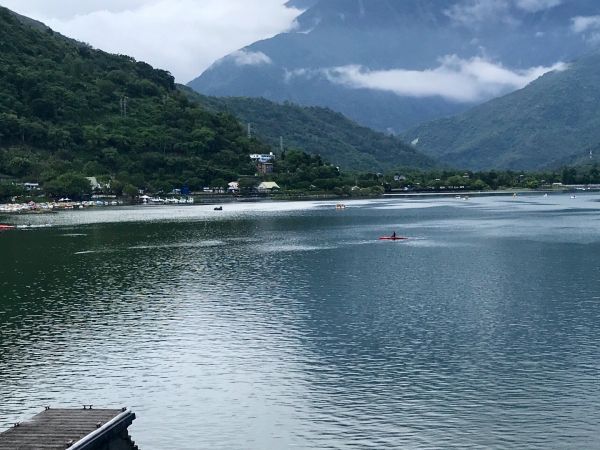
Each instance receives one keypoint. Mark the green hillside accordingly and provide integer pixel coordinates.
(319, 131)
(68, 111)
(553, 121)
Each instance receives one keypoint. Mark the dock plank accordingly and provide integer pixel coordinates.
(54, 428)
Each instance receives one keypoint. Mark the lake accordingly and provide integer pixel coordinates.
(290, 325)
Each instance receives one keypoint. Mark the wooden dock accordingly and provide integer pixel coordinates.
(72, 429)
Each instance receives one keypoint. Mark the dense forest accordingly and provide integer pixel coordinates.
(69, 111)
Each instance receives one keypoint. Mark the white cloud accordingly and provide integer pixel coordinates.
(65, 9)
(476, 12)
(289, 75)
(589, 27)
(182, 36)
(455, 79)
(248, 58)
(581, 24)
(537, 5)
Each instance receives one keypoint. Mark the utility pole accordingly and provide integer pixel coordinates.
(123, 103)
(249, 130)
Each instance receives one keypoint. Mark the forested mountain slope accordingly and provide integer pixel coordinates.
(320, 131)
(67, 109)
(553, 121)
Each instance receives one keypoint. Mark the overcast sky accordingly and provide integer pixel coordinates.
(182, 36)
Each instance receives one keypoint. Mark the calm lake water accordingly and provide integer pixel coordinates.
(289, 325)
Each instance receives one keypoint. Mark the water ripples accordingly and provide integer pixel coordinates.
(300, 329)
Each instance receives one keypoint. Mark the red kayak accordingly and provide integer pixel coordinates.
(393, 238)
(6, 227)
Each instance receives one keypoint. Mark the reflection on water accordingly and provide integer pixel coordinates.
(282, 325)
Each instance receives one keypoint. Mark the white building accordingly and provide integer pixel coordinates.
(267, 186)
(96, 185)
(31, 186)
(262, 158)
(233, 187)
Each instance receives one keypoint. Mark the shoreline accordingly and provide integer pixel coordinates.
(19, 209)
(496, 193)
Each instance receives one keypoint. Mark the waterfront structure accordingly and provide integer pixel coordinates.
(31, 187)
(233, 187)
(72, 429)
(267, 186)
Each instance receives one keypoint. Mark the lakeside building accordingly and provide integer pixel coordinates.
(265, 168)
(267, 186)
(97, 185)
(29, 187)
(264, 162)
(233, 187)
(262, 158)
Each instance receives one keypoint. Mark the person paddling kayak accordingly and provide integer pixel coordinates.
(393, 237)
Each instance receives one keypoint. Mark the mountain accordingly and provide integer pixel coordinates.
(301, 4)
(67, 110)
(31, 22)
(319, 131)
(393, 64)
(553, 121)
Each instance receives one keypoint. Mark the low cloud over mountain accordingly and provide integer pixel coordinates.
(455, 79)
(393, 64)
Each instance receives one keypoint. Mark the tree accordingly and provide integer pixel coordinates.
(130, 191)
(73, 185)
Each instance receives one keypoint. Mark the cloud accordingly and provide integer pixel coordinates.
(456, 79)
(65, 9)
(248, 58)
(581, 24)
(182, 36)
(537, 5)
(588, 26)
(290, 75)
(476, 12)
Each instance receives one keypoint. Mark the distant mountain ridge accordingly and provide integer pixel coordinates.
(552, 122)
(391, 64)
(301, 4)
(319, 131)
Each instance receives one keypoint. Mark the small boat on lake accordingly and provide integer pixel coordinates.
(393, 237)
(4, 227)
(218, 208)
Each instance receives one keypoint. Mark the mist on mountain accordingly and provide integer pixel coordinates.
(392, 64)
